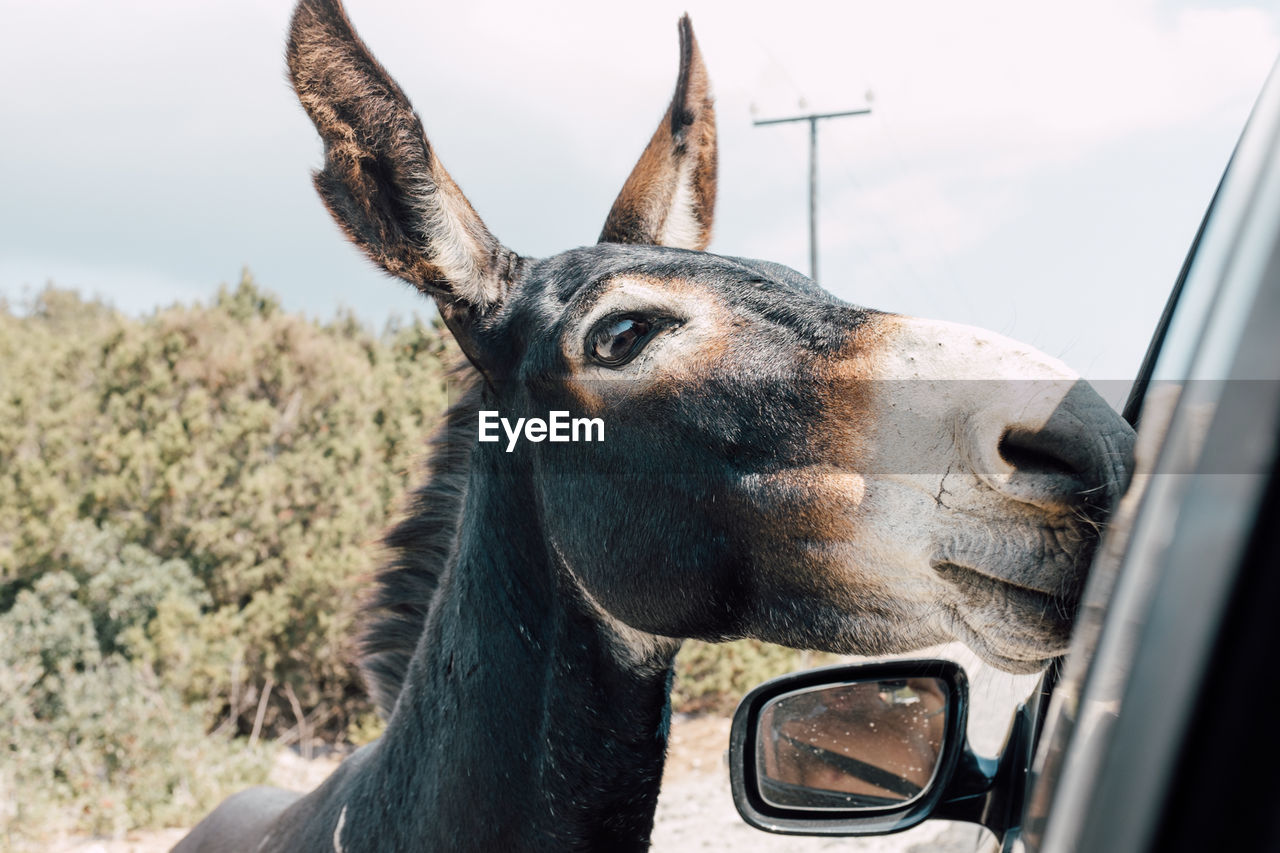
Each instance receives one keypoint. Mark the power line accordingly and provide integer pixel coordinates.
(813, 119)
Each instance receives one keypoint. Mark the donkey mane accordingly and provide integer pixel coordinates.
(418, 549)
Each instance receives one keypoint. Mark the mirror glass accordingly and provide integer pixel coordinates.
(865, 745)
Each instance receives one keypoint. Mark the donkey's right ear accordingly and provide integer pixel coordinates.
(381, 180)
(670, 197)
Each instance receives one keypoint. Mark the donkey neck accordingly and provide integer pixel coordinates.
(520, 725)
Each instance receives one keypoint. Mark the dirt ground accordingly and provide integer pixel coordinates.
(695, 809)
(696, 812)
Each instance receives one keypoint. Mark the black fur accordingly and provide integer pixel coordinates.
(419, 547)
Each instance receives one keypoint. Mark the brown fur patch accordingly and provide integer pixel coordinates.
(803, 515)
(847, 381)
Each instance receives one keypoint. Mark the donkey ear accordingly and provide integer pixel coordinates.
(381, 180)
(670, 198)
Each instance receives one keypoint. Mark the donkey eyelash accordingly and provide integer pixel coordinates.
(623, 344)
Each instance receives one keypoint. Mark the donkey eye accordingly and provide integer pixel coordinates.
(618, 341)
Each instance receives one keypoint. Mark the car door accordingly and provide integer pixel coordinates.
(1162, 712)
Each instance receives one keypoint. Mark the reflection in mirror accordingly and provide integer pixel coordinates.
(866, 745)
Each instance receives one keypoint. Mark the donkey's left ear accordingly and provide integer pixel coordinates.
(381, 179)
(670, 198)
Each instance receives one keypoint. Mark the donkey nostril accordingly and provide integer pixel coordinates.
(1034, 453)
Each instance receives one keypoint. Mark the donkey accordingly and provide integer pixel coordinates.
(777, 464)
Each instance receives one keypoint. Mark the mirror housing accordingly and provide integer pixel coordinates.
(962, 787)
(754, 791)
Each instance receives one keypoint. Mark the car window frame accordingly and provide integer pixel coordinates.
(1093, 787)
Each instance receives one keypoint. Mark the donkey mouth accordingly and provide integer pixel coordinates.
(1017, 662)
(1013, 627)
(974, 581)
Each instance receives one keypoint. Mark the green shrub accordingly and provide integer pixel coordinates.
(712, 678)
(264, 450)
(187, 504)
(91, 739)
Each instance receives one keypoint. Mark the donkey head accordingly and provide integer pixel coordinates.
(776, 463)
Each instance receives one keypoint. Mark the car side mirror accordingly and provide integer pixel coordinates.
(869, 749)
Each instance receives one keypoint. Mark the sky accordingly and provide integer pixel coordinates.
(1036, 169)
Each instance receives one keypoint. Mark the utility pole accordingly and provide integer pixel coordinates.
(813, 119)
